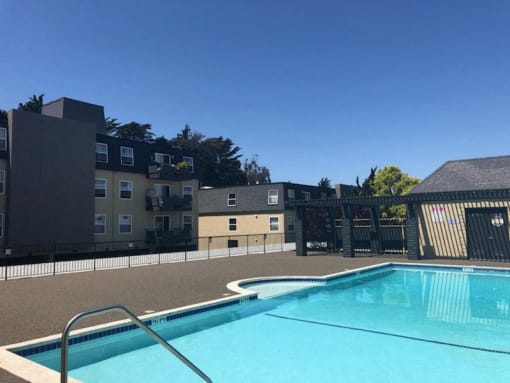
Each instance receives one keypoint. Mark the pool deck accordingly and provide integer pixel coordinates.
(38, 307)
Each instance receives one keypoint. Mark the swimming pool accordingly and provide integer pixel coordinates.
(382, 324)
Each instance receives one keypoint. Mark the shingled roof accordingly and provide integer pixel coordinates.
(488, 173)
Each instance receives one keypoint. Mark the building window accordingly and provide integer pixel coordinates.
(162, 158)
(101, 152)
(189, 162)
(232, 224)
(338, 222)
(100, 224)
(272, 197)
(306, 196)
(324, 195)
(231, 243)
(187, 193)
(187, 222)
(291, 223)
(231, 200)
(125, 223)
(291, 194)
(100, 187)
(126, 189)
(127, 156)
(2, 181)
(3, 138)
(162, 223)
(1, 225)
(274, 224)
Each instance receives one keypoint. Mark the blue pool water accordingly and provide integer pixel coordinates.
(394, 324)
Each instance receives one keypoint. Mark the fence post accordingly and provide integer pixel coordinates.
(247, 244)
(6, 265)
(54, 259)
(265, 236)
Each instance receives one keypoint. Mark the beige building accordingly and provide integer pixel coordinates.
(67, 186)
(252, 215)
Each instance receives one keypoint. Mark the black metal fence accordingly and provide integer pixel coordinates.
(40, 260)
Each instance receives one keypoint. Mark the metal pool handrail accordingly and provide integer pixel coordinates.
(138, 322)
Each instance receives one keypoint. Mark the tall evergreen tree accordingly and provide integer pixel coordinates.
(256, 174)
(34, 104)
(131, 131)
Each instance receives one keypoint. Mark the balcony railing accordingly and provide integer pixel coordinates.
(171, 203)
(168, 172)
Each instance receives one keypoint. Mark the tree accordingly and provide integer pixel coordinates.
(367, 188)
(324, 184)
(3, 117)
(111, 125)
(187, 139)
(219, 163)
(391, 181)
(131, 131)
(256, 174)
(34, 104)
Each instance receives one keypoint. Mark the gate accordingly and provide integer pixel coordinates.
(487, 234)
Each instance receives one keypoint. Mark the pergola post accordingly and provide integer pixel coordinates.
(412, 234)
(347, 231)
(375, 233)
(300, 228)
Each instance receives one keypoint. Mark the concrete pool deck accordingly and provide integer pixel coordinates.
(38, 307)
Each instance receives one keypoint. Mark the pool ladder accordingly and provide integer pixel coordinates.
(101, 310)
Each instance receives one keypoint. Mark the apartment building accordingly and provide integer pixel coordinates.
(240, 212)
(63, 180)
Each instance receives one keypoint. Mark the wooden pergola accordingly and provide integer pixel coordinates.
(372, 204)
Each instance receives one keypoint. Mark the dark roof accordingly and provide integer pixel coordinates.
(489, 173)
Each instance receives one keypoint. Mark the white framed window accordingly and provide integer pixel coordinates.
(162, 158)
(291, 194)
(232, 224)
(162, 223)
(187, 223)
(3, 138)
(189, 162)
(272, 197)
(306, 196)
(125, 189)
(2, 181)
(101, 152)
(1, 225)
(324, 195)
(101, 187)
(127, 156)
(338, 222)
(231, 199)
(274, 223)
(187, 193)
(291, 223)
(125, 223)
(100, 224)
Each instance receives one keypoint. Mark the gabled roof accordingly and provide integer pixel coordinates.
(488, 173)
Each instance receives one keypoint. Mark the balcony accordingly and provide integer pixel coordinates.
(171, 203)
(169, 172)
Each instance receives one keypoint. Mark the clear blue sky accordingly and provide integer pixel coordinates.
(316, 88)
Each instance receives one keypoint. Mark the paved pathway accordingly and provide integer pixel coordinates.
(37, 307)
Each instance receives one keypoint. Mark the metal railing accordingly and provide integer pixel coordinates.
(44, 260)
(64, 353)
